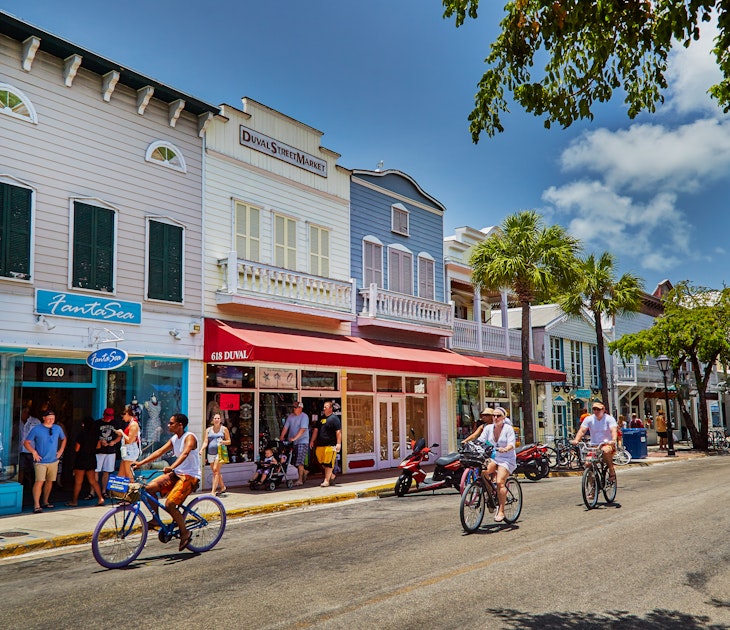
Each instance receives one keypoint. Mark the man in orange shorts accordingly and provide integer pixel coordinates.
(181, 477)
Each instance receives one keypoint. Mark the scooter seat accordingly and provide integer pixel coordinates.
(524, 448)
(445, 460)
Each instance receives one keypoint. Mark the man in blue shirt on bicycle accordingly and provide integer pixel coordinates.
(181, 477)
(604, 433)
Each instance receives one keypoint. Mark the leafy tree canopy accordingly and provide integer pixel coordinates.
(558, 58)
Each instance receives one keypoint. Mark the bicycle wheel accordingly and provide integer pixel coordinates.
(552, 456)
(402, 485)
(513, 503)
(471, 509)
(609, 488)
(119, 537)
(469, 475)
(622, 457)
(589, 488)
(205, 519)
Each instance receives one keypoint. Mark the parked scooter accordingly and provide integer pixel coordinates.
(448, 471)
(533, 461)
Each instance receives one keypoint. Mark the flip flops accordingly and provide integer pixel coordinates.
(185, 540)
(48, 506)
(37, 510)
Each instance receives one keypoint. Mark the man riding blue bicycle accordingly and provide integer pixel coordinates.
(181, 477)
(604, 434)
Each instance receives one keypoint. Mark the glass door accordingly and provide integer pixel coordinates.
(391, 424)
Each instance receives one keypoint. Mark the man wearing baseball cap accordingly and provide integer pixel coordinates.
(45, 443)
(604, 433)
(107, 446)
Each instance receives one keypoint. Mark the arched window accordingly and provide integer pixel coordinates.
(14, 103)
(166, 154)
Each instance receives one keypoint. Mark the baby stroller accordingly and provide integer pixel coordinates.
(282, 452)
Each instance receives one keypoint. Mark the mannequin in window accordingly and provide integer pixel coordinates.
(153, 430)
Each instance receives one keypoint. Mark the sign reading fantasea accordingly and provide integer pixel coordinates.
(259, 142)
(107, 359)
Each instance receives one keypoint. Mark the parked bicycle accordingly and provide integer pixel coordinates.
(481, 494)
(596, 479)
(121, 534)
(717, 440)
(621, 457)
(564, 455)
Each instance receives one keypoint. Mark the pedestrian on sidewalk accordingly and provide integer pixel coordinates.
(297, 428)
(85, 462)
(661, 430)
(215, 434)
(107, 446)
(327, 436)
(46, 443)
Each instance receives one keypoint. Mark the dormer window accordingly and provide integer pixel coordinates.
(399, 220)
(166, 154)
(14, 103)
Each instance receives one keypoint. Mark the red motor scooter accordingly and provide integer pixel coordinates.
(448, 471)
(533, 461)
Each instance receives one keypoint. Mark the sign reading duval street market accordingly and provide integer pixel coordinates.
(107, 359)
(87, 307)
(259, 142)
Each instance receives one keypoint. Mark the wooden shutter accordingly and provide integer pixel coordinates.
(15, 205)
(93, 258)
(165, 262)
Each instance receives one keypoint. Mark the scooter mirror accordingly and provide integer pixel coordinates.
(434, 445)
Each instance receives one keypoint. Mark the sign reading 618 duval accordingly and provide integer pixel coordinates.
(107, 359)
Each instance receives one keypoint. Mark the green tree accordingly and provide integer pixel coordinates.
(535, 261)
(558, 58)
(695, 332)
(597, 289)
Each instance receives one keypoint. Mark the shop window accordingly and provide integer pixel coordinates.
(319, 251)
(273, 411)
(15, 236)
(237, 413)
(390, 383)
(416, 385)
(230, 376)
(94, 229)
(360, 382)
(165, 261)
(277, 378)
(467, 406)
(360, 433)
(495, 389)
(417, 416)
(248, 232)
(166, 154)
(14, 103)
(315, 379)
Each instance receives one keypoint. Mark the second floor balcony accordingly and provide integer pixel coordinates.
(408, 312)
(648, 374)
(483, 338)
(255, 284)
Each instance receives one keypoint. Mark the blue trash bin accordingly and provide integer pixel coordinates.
(635, 442)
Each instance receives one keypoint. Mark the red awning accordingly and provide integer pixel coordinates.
(513, 369)
(227, 342)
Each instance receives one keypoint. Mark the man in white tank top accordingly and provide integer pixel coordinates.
(181, 477)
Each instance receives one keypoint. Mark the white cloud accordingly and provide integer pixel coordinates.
(653, 235)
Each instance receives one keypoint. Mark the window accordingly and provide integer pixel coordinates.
(426, 267)
(166, 154)
(285, 242)
(248, 232)
(372, 263)
(14, 103)
(165, 262)
(93, 247)
(556, 353)
(576, 363)
(400, 271)
(399, 219)
(595, 368)
(15, 216)
(319, 251)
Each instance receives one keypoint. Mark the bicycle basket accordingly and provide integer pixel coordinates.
(122, 489)
(474, 454)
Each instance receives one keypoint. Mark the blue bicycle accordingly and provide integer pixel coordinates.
(121, 533)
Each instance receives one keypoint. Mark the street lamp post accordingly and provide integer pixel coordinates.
(663, 361)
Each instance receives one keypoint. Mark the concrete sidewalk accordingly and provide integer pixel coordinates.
(63, 526)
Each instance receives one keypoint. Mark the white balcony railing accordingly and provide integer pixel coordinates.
(381, 304)
(478, 337)
(257, 280)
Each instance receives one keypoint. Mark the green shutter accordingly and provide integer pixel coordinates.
(165, 260)
(93, 262)
(15, 205)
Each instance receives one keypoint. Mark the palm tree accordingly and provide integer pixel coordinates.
(535, 261)
(597, 290)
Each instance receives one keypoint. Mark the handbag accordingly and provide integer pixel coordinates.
(123, 449)
(222, 453)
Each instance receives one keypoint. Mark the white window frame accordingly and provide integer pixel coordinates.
(322, 260)
(595, 368)
(161, 144)
(398, 209)
(289, 251)
(576, 363)
(427, 259)
(402, 251)
(556, 353)
(367, 270)
(248, 238)
(32, 116)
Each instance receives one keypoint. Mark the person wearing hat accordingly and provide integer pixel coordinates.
(604, 433)
(503, 462)
(485, 417)
(45, 442)
(297, 428)
(107, 447)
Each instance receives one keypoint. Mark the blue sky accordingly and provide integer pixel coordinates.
(392, 80)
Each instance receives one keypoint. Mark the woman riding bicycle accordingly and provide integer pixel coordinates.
(501, 434)
(604, 433)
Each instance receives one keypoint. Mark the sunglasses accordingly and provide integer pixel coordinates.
(598, 409)
(50, 431)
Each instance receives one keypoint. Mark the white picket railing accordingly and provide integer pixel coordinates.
(382, 304)
(467, 336)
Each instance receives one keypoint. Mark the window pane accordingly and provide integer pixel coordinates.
(360, 382)
(360, 431)
(390, 383)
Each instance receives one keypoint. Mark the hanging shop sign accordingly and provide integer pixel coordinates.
(107, 359)
(259, 142)
(93, 307)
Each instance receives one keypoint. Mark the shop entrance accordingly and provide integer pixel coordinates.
(392, 426)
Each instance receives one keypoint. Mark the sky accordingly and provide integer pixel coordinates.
(393, 81)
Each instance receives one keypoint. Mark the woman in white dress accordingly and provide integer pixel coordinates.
(504, 461)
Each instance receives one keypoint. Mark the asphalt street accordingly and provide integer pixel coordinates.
(657, 559)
